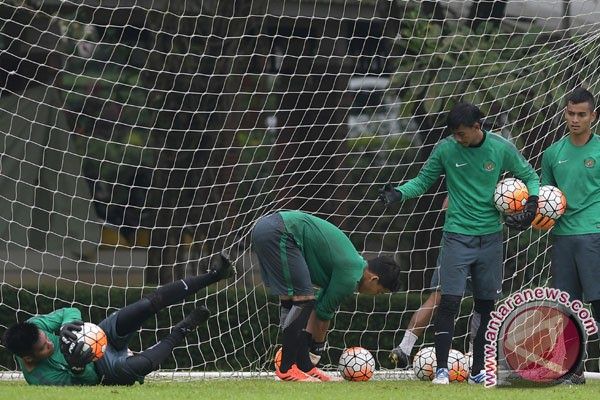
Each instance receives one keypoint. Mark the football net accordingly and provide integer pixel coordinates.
(139, 138)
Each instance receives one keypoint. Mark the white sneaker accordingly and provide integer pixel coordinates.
(441, 377)
(477, 379)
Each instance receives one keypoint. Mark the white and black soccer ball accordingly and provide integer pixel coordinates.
(510, 195)
(552, 202)
(356, 364)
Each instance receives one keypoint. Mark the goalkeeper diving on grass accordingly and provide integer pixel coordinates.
(298, 251)
(47, 352)
(473, 161)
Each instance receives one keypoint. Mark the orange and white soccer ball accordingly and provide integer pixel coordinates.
(356, 364)
(425, 364)
(510, 195)
(277, 359)
(93, 337)
(552, 202)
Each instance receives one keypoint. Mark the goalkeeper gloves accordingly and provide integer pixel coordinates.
(542, 223)
(523, 220)
(388, 195)
(67, 334)
(77, 357)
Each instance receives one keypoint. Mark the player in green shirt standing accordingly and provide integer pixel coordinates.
(296, 252)
(473, 161)
(573, 165)
(45, 350)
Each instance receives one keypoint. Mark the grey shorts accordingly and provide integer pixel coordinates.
(283, 268)
(434, 285)
(575, 265)
(477, 256)
(113, 368)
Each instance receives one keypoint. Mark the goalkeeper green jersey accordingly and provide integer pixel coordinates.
(55, 370)
(575, 170)
(333, 262)
(472, 174)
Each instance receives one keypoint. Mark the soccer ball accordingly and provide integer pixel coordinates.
(425, 364)
(552, 203)
(92, 337)
(458, 370)
(510, 195)
(277, 359)
(356, 364)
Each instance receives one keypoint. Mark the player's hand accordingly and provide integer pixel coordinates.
(316, 351)
(388, 195)
(523, 220)
(542, 223)
(77, 357)
(67, 334)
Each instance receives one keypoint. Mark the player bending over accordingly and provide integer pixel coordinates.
(43, 345)
(296, 252)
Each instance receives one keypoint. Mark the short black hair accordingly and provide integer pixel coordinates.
(387, 270)
(465, 114)
(580, 95)
(20, 338)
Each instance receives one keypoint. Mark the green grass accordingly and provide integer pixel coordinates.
(270, 389)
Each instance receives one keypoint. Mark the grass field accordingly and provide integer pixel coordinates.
(270, 389)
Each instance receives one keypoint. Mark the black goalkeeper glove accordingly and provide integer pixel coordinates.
(316, 351)
(388, 195)
(77, 357)
(523, 220)
(67, 334)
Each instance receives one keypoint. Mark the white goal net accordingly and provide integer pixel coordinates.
(139, 138)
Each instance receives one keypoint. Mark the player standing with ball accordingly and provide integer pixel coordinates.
(573, 165)
(473, 161)
(49, 353)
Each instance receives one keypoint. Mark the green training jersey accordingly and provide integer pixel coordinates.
(472, 174)
(575, 170)
(55, 369)
(334, 263)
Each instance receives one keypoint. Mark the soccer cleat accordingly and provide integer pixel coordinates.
(477, 379)
(441, 377)
(322, 376)
(400, 358)
(574, 378)
(222, 268)
(294, 375)
(195, 318)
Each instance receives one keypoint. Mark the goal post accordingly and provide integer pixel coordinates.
(139, 138)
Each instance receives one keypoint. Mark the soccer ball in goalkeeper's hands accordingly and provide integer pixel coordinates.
(510, 195)
(552, 202)
(356, 364)
(93, 337)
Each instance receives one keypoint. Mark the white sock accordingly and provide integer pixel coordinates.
(408, 342)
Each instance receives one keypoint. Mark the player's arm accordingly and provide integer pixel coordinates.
(516, 163)
(55, 320)
(415, 187)
(542, 222)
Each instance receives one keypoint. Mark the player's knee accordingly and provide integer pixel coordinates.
(484, 307)
(449, 304)
(141, 365)
(298, 315)
(155, 300)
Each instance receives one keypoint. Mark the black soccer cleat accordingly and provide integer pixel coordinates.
(196, 317)
(400, 358)
(222, 267)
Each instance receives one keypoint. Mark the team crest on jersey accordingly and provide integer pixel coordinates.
(589, 162)
(489, 166)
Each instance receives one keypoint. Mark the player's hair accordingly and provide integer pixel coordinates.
(580, 95)
(20, 338)
(387, 270)
(465, 114)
